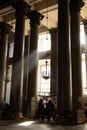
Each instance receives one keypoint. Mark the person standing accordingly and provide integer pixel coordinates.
(41, 110)
(49, 109)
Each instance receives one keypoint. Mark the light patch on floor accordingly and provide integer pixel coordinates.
(26, 123)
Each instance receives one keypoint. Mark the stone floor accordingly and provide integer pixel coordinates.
(36, 125)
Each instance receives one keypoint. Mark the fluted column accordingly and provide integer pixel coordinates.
(54, 61)
(18, 60)
(35, 18)
(4, 33)
(64, 107)
(77, 97)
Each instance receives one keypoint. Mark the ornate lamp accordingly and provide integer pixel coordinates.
(46, 73)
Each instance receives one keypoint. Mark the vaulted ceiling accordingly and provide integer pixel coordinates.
(8, 13)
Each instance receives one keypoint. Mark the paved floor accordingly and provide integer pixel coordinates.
(35, 125)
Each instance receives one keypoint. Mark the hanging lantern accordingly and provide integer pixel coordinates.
(46, 73)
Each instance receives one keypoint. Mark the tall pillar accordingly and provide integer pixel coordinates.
(4, 33)
(64, 106)
(77, 98)
(35, 18)
(26, 68)
(85, 46)
(54, 61)
(18, 60)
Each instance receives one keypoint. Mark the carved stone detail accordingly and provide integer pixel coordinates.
(35, 16)
(6, 28)
(76, 5)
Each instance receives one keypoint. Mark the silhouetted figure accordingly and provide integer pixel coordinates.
(6, 109)
(41, 109)
(50, 109)
(45, 107)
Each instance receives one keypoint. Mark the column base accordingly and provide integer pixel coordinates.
(19, 116)
(78, 117)
(64, 119)
(81, 118)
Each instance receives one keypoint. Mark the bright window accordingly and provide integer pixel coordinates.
(44, 42)
(44, 85)
(11, 49)
(82, 37)
(84, 74)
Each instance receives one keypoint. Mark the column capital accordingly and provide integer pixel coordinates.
(76, 5)
(22, 5)
(85, 26)
(35, 17)
(85, 23)
(5, 27)
(53, 30)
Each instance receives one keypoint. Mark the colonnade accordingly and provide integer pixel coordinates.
(68, 79)
(21, 59)
(4, 32)
(66, 84)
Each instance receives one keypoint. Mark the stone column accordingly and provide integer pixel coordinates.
(54, 61)
(18, 60)
(77, 98)
(26, 70)
(85, 46)
(4, 33)
(64, 106)
(35, 18)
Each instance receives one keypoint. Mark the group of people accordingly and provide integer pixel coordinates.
(46, 109)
